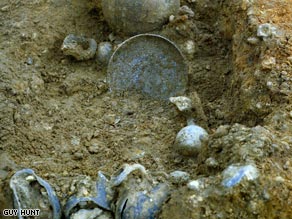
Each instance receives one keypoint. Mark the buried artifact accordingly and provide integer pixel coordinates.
(133, 17)
(148, 63)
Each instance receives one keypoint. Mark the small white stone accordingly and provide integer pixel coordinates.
(211, 162)
(268, 62)
(111, 37)
(34, 36)
(185, 10)
(269, 84)
(86, 214)
(259, 105)
(257, 73)
(75, 140)
(253, 40)
(279, 179)
(104, 52)
(289, 58)
(84, 192)
(190, 47)
(5, 8)
(195, 185)
(179, 176)
(266, 31)
(30, 178)
(171, 18)
(222, 130)
(182, 103)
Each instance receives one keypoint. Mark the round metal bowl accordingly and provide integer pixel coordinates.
(134, 17)
(148, 63)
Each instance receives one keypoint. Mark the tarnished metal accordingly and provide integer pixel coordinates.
(32, 192)
(134, 17)
(95, 202)
(149, 63)
(138, 198)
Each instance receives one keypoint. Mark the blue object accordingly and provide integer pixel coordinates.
(101, 200)
(141, 205)
(234, 174)
(23, 188)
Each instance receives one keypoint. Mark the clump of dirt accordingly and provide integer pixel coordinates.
(58, 117)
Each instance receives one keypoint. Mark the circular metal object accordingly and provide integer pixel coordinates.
(133, 17)
(148, 63)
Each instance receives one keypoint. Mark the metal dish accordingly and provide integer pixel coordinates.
(148, 63)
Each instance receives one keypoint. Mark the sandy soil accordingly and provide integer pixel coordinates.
(58, 117)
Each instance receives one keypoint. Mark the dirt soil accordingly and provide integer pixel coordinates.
(58, 117)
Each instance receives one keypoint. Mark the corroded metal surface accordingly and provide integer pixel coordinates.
(134, 17)
(149, 63)
(32, 192)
